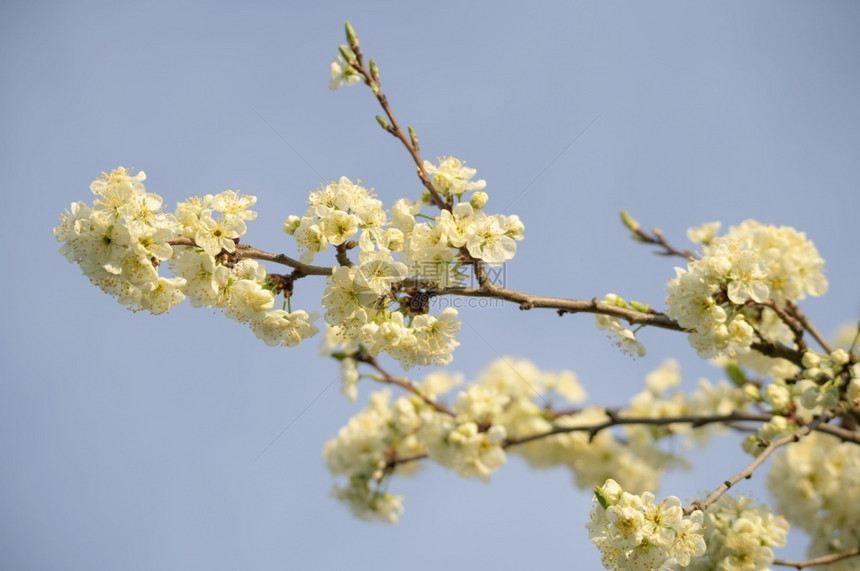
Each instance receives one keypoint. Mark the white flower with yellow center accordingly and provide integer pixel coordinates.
(342, 73)
(487, 239)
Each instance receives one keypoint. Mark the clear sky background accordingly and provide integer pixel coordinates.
(133, 442)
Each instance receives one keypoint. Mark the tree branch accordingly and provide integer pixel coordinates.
(790, 322)
(363, 357)
(656, 237)
(615, 420)
(245, 251)
(410, 142)
(794, 310)
(823, 560)
(563, 305)
(747, 472)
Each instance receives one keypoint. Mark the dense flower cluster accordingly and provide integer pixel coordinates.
(381, 304)
(468, 438)
(662, 399)
(121, 240)
(716, 298)
(825, 383)
(124, 239)
(633, 532)
(740, 536)
(512, 401)
(362, 450)
(816, 483)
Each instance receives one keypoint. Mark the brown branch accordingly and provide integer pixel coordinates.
(387, 377)
(747, 472)
(563, 305)
(657, 238)
(342, 257)
(245, 251)
(394, 128)
(794, 310)
(779, 351)
(614, 420)
(819, 424)
(593, 429)
(823, 560)
(843, 434)
(790, 321)
(839, 432)
(595, 306)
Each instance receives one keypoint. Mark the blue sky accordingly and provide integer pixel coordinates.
(134, 442)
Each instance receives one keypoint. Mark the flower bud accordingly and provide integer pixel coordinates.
(292, 224)
(810, 360)
(347, 54)
(778, 396)
(839, 357)
(479, 199)
(629, 221)
(351, 38)
(751, 392)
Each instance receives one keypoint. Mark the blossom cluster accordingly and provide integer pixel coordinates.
(718, 297)
(469, 437)
(816, 483)
(740, 536)
(126, 238)
(511, 407)
(825, 383)
(381, 304)
(634, 532)
(662, 399)
(120, 241)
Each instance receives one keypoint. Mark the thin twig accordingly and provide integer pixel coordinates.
(614, 420)
(747, 472)
(823, 560)
(406, 384)
(394, 127)
(790, 321)
(804, 321)
(658, 239)
(245, 251)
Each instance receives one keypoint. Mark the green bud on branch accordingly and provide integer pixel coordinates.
(351, 38)
(629, 221)
(347, 54)
(736, 374)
